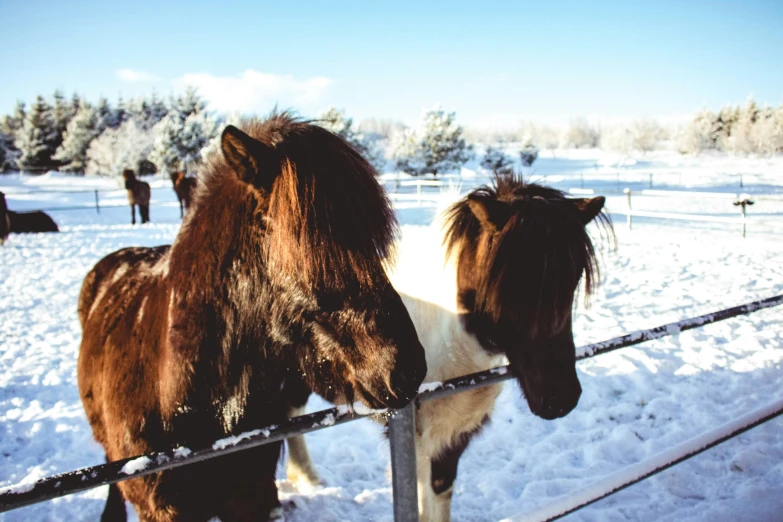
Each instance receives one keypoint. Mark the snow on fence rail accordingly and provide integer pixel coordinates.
(401, 432)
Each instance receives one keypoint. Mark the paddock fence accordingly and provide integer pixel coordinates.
(402, 436)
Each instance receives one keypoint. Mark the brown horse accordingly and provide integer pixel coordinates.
(23, 222)
(521, 250)
(184, 187)
(290, 234)
(138, 194)
(5, 220)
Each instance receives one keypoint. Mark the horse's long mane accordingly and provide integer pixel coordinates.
(543, 237)
(329, 222)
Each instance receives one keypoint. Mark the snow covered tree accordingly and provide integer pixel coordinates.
(81, 130)
(34, 140)
(178, 143)
(107, 116)
(126, 147)
(768, 131)
(496, 161)
(436, 146)
(335, 121)
(581, 134)
(697, 136)
(10, 125)
(189, 102)
(61, 115)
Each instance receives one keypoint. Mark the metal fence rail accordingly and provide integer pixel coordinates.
(21, 495)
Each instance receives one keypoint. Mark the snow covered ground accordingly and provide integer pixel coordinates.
(636, 402)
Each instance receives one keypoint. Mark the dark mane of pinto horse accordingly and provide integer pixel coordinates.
(541, 212)
(277, 269)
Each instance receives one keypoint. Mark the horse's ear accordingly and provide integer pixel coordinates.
(250, 159)
(589, 208)
(491, 213)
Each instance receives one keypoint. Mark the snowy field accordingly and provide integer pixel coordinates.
(636, 402)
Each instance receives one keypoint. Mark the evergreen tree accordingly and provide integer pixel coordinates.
(165, 152)
(436, 146)
(107, 116)
(10, 125)
(35, 137)
(528, 154)
(178, 143)
(81, 130)
(496, 161)
(61, 115)
(188, 103)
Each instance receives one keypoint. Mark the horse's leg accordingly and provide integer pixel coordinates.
(444, 472)
(133, 215)
(423, 481)
(299, 467)
(115, 506)
(144, 210)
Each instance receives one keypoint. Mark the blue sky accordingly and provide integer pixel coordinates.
(494, 63)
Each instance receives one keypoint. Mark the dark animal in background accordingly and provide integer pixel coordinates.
(291, 231)
(184, 187)
(521, 250)
(5, 220)
(138, 195)
(23, 222)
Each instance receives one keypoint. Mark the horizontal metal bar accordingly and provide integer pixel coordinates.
(645, 469)
(21, 495)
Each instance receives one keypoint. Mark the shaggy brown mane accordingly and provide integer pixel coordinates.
(329, 213)
(524, 246)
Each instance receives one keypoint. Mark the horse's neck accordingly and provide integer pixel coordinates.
(216, 275)
(429, 292)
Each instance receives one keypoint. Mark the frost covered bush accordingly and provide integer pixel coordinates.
(581, 134)
(126, 147)
(435, 147)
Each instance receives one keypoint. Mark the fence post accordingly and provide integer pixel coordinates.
(402, 439)
(628, 198)
(418, 192)
(97, 205)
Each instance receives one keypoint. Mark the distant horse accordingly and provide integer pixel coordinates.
(184, 187)
(520, 251)
(23, 222)
(138, 194)
(5, 220)
(278, 267)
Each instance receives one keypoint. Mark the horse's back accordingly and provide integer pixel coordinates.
(31, 222)
(120, 312)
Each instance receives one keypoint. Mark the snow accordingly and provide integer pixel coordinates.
(136, 465)
(636, 403)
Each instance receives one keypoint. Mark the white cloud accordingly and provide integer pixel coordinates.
(254, 91)
(130, 75)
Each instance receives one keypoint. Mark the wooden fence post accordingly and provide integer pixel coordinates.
(628, 198)
(97, 204)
